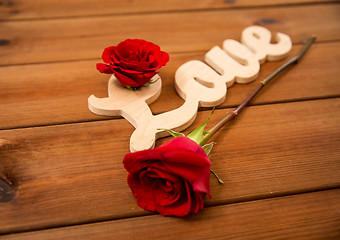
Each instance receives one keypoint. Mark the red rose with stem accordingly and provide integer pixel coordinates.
(173, 179)
(133, 62)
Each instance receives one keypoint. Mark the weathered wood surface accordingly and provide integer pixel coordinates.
(37, 9)
(55, 93)
(69, 174)
(61, 166)
(304, 216)
(84, 38)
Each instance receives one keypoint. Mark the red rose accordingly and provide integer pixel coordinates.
(172, 179)
(134, 61)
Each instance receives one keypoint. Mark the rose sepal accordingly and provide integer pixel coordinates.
(197, 134)
(208, 147)
(173, 133)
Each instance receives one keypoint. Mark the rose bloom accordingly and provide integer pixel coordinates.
(172, 179)
(134, 61)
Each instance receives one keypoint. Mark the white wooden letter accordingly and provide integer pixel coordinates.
(196, 82)
(257, 39)
(235, 63)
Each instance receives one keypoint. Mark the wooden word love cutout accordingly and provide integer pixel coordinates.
(196, 82)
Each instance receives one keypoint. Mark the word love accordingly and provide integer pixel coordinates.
(199, 84)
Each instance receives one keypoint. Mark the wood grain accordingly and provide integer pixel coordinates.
(61, 171)
(71, 174)
(40, 9)
(85, 38)
(55, 93)
(305, 216)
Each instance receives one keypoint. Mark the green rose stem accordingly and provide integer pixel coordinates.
(231, 115)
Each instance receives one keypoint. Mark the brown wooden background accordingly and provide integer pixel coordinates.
(280, 159)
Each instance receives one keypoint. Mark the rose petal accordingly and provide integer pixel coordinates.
(134, 65)
(131, 159)
(181, 208)
(125, 80)
(152, 198)
(107, 54)
(197, 202)
(130, 71)
(182, 142)
(126, 47)
(133, 78)
(103, 68)
(197, 176)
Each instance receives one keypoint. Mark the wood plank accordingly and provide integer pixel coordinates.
(38, 9)
(84, 38)
(43, 94)
(305, 216)
(71, 174)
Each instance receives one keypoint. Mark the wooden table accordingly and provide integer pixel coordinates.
(280, 160)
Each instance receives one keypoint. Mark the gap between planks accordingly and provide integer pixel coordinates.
(202, 52)
(75, 44)
(322, 85)
(128, 12)
(247, 122)
(239, 201)
(201, 109)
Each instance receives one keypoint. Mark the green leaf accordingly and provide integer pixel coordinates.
(217, 177)
(172, 132)
(150, 82)
(207, 147)
(133, 88)
(198, 133)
